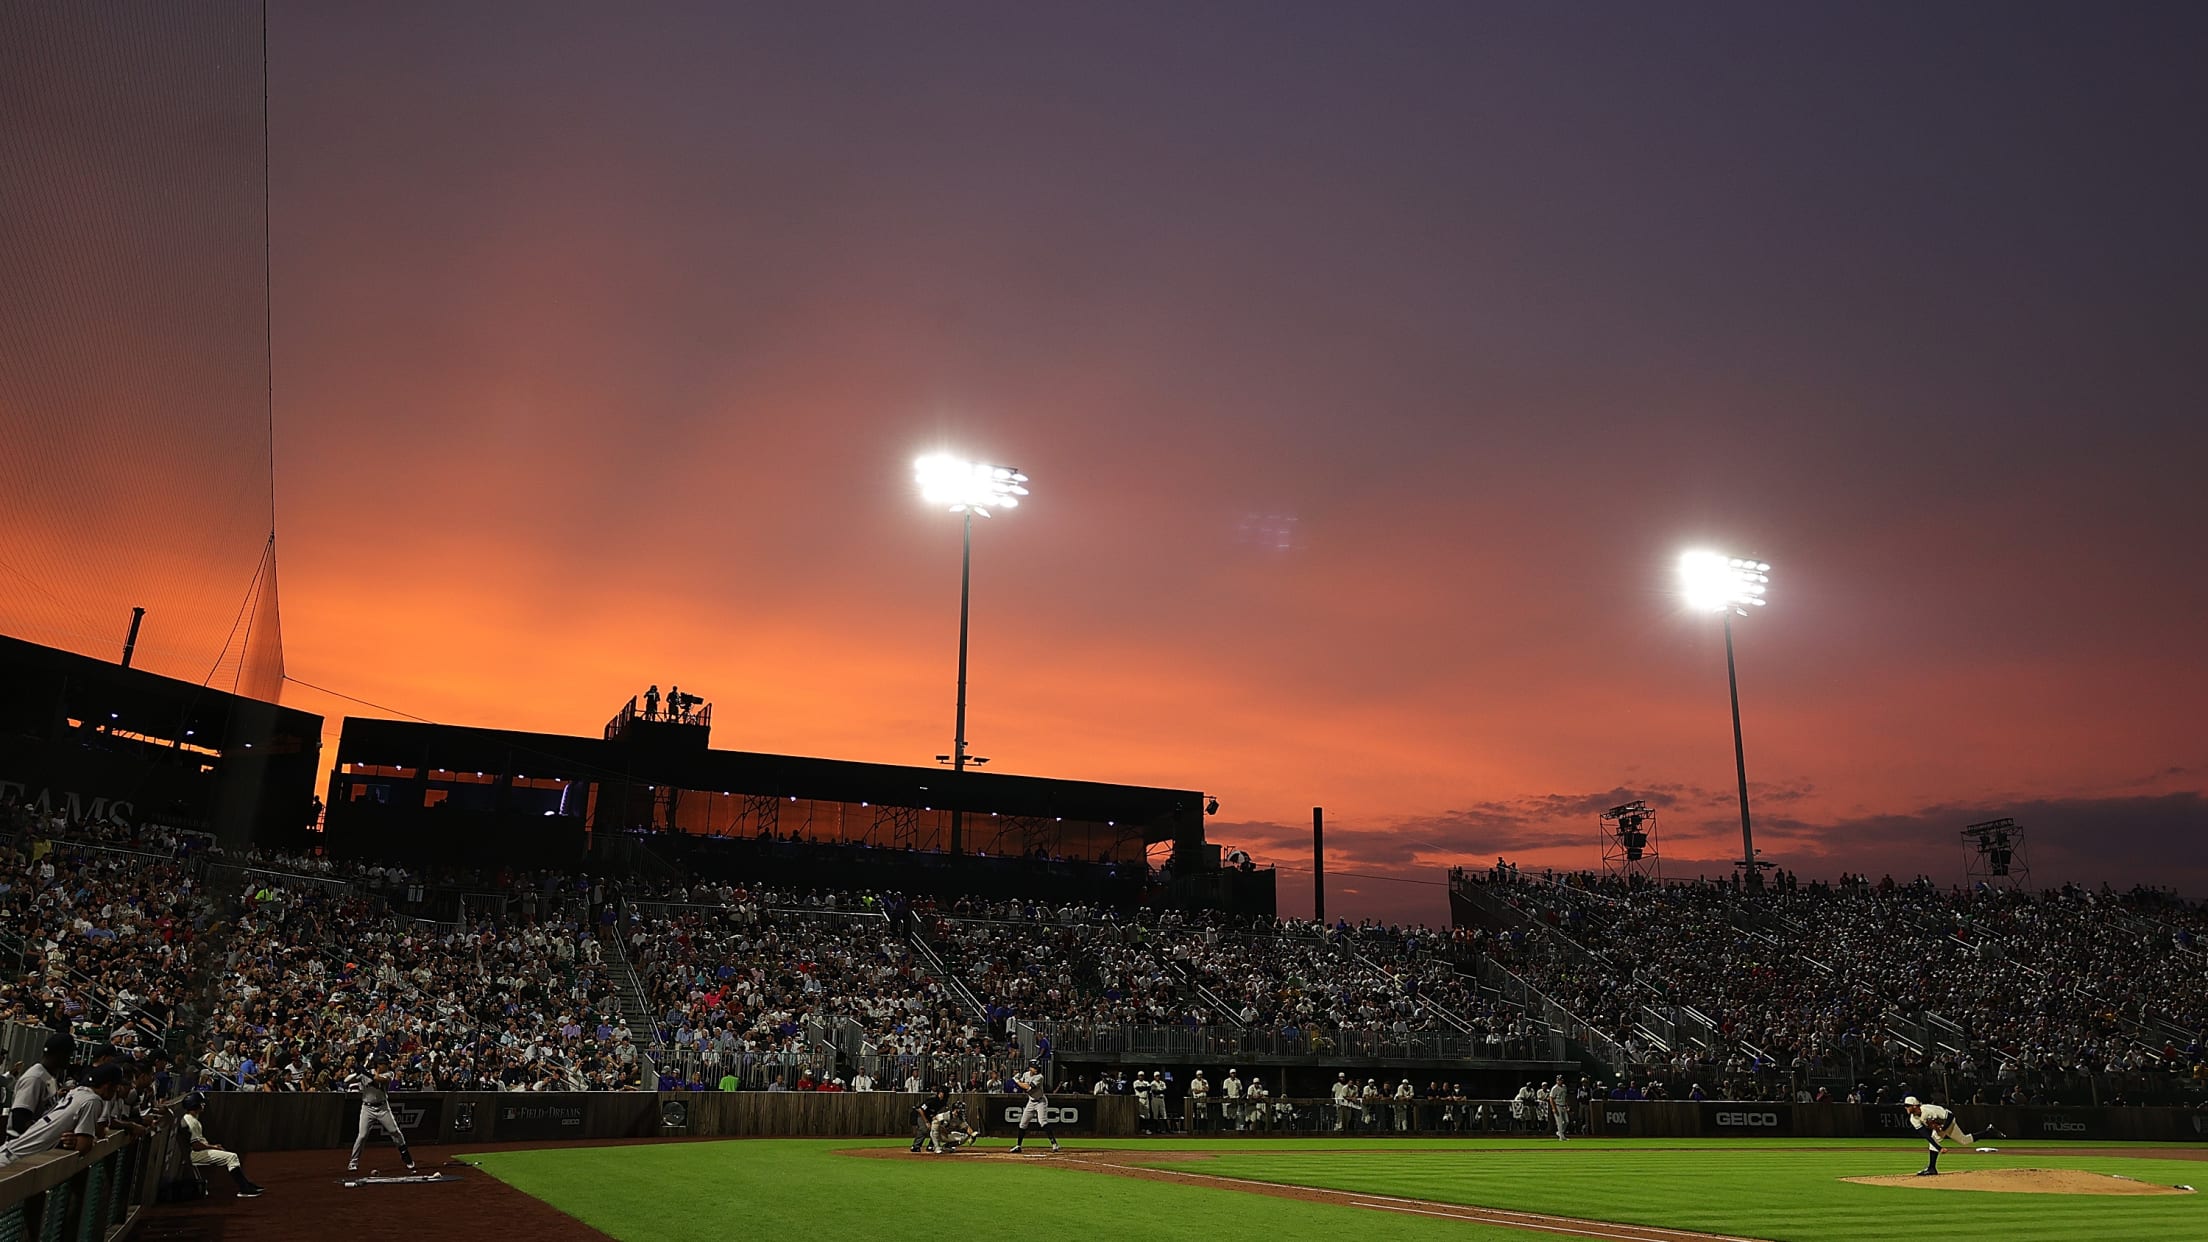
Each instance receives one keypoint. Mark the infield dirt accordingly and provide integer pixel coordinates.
(2025, 1182)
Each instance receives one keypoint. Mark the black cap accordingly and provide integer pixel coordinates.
(107, 1075)
(194, 1100)
(61, 1044)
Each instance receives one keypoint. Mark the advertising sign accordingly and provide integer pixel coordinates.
(1734, 1118)
(1071, 1114)
(419, 1116)
(540, 1117)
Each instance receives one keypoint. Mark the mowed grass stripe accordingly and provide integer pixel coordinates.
(1760, 1190)
(804, 1191)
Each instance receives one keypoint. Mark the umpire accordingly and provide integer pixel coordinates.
(924, 1114)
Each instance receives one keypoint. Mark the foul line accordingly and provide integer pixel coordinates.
(1613, 1231)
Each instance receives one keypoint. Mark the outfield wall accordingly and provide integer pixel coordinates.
(286, 1121)
(1734, 1119)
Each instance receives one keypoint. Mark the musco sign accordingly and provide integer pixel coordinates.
(1748, 1119)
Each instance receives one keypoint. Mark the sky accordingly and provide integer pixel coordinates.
(1372, 364)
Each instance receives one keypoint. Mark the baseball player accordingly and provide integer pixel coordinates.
(72, 1122)
(1037, 1106)
(39, 1086)
(375, 1111)
(212, 1155)
(950, 1130)
(1937, 1124)
(1560, 1106)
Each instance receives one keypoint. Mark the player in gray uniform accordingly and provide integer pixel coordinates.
(1037, 1106)
(40, 1085)
(73, 1122)
(375, 1110)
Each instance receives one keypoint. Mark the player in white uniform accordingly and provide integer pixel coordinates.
(72, 1122)
(1560, 1107)
(1037, 1107)
(375, 1111)
(208, 1155)
(1938, 1125)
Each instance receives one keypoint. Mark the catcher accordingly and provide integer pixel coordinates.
(950, 1131)
(1938, 1124)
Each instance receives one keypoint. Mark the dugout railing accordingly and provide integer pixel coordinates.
(90, 1197)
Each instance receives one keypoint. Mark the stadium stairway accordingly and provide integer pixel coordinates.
(636, 1007)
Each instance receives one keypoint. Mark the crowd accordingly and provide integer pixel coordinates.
(1991, 991)
(315, 980)
(761, 986)
(101, 941)
(285, 972)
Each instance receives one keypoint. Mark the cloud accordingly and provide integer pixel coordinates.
(2160, 839)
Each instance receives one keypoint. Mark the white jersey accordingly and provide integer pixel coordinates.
(36, 1091)
(77, 1113)
(1031, 1081)
(1931, 1117)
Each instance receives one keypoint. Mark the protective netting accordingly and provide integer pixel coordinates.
(135, 452)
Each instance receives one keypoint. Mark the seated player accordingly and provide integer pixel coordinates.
(209, 1155)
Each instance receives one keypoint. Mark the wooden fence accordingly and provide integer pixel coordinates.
(276, 1121)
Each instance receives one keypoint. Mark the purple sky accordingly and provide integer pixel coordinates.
(1373, 364)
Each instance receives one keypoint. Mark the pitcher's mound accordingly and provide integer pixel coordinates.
(2025, 1182)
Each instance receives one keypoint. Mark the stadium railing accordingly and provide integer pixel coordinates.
(1087, 1040)
(1423, 1116)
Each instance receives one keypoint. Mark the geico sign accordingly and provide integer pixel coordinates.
(1747, 1119)
(1053, 1115)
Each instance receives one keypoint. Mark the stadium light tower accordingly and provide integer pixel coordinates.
(969, 488)
(1729, 586)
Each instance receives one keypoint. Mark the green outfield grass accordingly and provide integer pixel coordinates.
(1789, 1192)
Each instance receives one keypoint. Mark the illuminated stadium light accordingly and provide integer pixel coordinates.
(968, 486)
(1711, 582)
(1729, 586)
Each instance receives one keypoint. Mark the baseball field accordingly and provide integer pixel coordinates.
(1499, 1190)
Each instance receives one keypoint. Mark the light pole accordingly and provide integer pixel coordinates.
(969, 488)
(1730, 586)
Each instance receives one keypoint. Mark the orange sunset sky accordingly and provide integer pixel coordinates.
(1372, 368)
